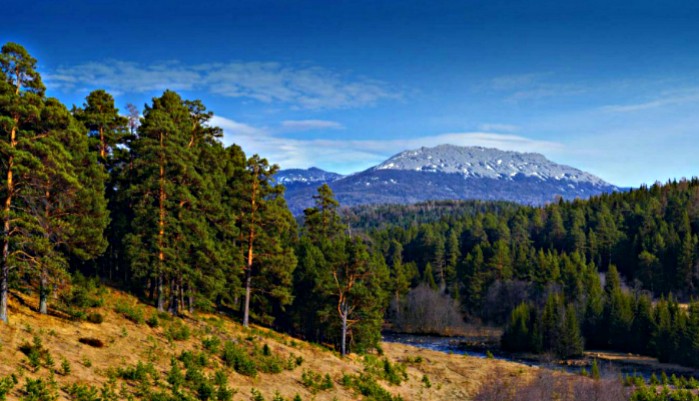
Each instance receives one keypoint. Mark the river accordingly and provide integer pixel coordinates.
(609, 367)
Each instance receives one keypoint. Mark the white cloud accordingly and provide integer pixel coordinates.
(672, 98)
(498, 127)
(301, 87)
(513, 81)
(307, 125)
(347, 156)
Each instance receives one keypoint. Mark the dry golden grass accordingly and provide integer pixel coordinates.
(453, 377)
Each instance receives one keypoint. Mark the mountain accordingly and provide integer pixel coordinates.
(300, 178)
(453, 172)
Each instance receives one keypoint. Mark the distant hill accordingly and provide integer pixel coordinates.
(448, 172)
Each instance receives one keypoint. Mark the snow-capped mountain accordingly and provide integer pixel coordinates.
(452, 172)
(305, 177)
(483, 162)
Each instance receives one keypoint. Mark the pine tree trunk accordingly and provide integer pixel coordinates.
(344, 332)
(103, 146)
(4, 289)
(5, 263)
(251, 241)
(174, 297)
(248, 291)
(43, 294)
(161, 227)
(160, 302)
(180, 293)
(190, 302)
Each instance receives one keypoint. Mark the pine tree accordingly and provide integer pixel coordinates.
(21, 98)
(69, 211)
(571, 342)
(356, 282)
(163, 172)
(109, 137)
(500, 263)
(266, 229)
(322, 221)
(54, 205)
(104, 124)
(428, 277)
(517, 335)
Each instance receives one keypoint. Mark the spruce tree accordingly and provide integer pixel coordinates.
(571, 342)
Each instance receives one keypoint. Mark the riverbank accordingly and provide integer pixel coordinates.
(611, 364)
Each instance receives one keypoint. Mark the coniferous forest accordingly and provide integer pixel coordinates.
(148, 199)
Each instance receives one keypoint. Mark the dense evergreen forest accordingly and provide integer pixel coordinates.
(608, 272)
(149, 200)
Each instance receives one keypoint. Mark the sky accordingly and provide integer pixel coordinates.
(610, 87)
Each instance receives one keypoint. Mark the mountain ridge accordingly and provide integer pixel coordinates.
(450, 172)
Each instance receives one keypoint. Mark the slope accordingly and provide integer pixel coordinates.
(131, 354)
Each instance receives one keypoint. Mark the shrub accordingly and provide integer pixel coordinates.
(84, 293)
(175, 376)
(205, 390)
(83, 392)
(39, 390)
(224, 393)
(65, 367)
(384, 369)
(131, 312)
(316, 382)
(35, 353)
(367, 386)
(549, 385)
(293, 362)
(211, 344)
(235, 357)
(139, 372)
(194, 359)
(255, 395)
(95, 318)
(7, 383)
(153, 321)
(177, 331)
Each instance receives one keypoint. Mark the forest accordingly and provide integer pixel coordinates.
(149, 200)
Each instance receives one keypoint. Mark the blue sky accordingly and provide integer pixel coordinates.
(611, 87)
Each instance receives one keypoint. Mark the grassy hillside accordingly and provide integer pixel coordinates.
(131, 353)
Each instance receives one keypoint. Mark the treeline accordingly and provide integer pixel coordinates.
(366, 217)
(628, 321)
(153, 202)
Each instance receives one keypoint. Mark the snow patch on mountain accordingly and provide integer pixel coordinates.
(480, 162)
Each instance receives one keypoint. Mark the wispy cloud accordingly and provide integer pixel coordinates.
(308, 125)
(672, 98)
(515, 81)
(533, 86)
(498, 127)
(346, 155)
(301, 87)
